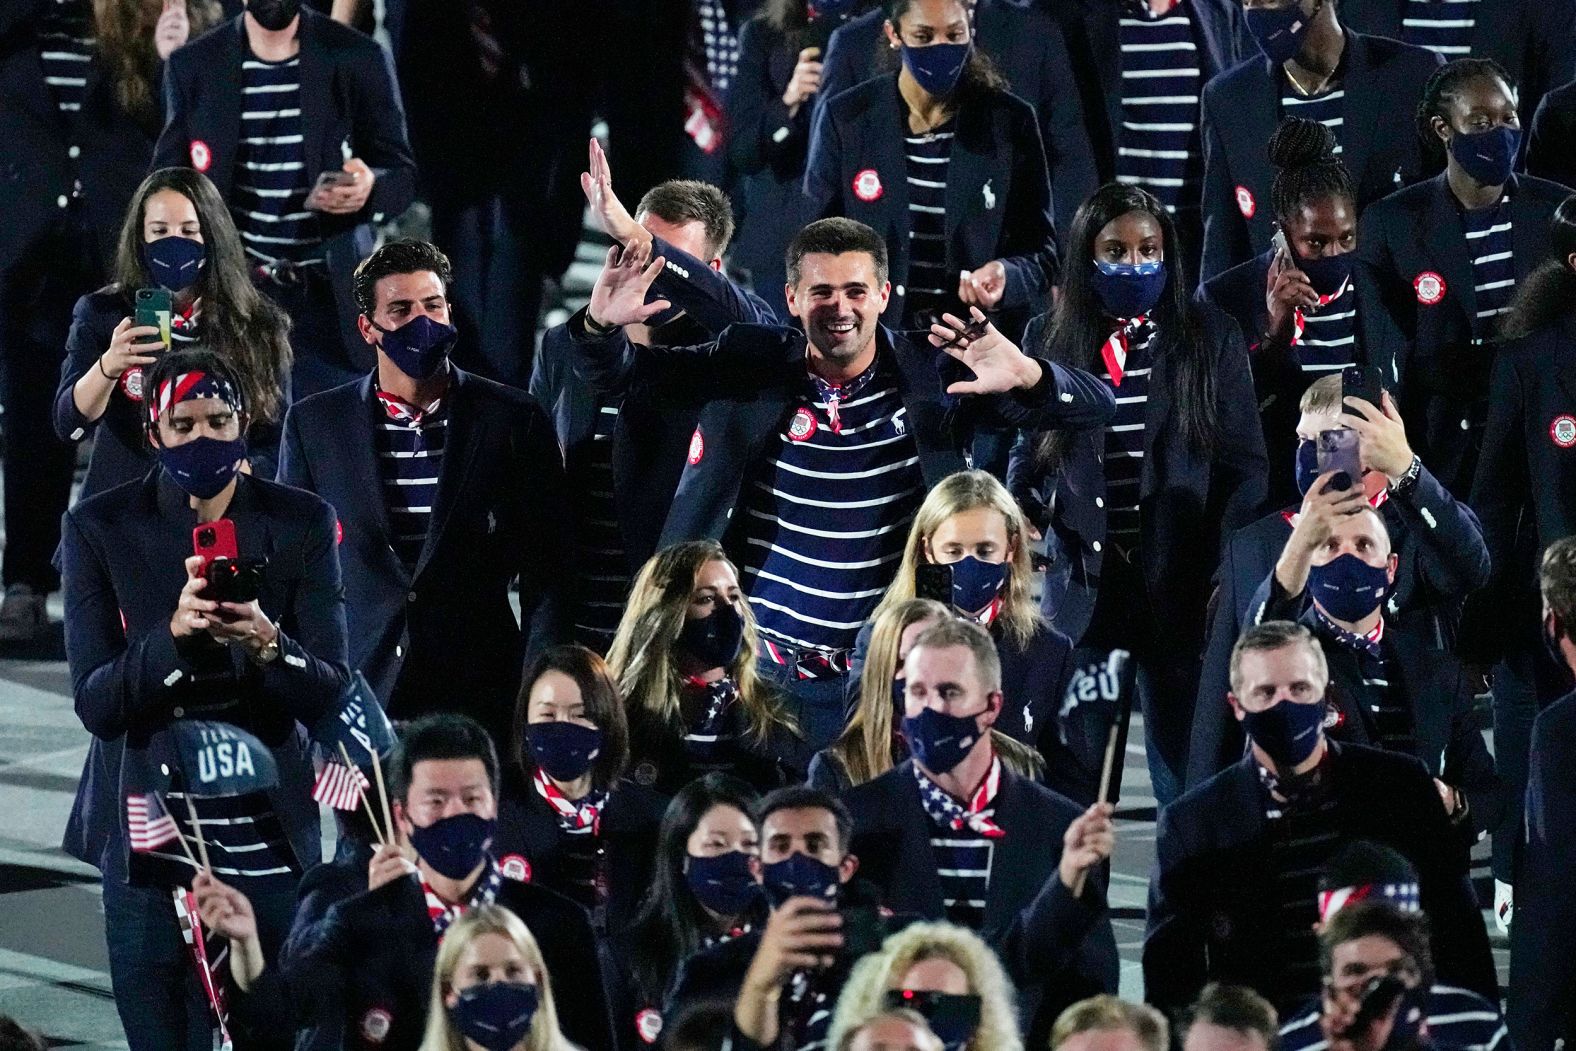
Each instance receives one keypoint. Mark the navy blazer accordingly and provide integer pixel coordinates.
(1210, 920)
(348, 103)
(1441, 559)
(1542, 967)
(998, 191)
(1443, 372)
(105, 150)
(120, 450)
(1029, 50)
(124, 553)
(442, 637)
(1189, 501)
(1548, 144)
(1383, 79)
(1058, 949)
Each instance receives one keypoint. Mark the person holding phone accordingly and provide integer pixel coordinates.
(176, 239)
(147, 647)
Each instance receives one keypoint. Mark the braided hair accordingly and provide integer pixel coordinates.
(1306, 167)
(1445, 85)
(1547, 294)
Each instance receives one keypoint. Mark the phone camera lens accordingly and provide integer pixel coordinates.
(206, 538)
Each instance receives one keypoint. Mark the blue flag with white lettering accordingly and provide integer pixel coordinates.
(357, 722)
(218, 759)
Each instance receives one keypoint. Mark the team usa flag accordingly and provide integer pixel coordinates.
(148, 824)
(340, 786)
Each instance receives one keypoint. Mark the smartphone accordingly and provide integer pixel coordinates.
(1278, 242)
(214, 540)
(933, 582)
(154, 309)
(331, 178)
(1362, 381)
(1337, 451)
(818, 34)
(863, 931)
(1380, 995)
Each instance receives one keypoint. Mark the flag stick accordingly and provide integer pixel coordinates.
(383, 795)
(185, 846)
(371, 814)
(202, 845)
(1110, 760)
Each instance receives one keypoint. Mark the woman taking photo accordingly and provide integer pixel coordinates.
(566, 817)
(947, 162)
(177, 236)
(1139, 506)
(684, 657)
(705, 890)
(490, 988)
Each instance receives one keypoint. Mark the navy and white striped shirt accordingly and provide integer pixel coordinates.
(1444, 26)
(1457, 1019)
(930, 286)
(963, 857)
(1303, 838)
(1328, 109)
(65, 47)
(826, 514)
(1329, 335)
(410, 459)
(602, 592)
(1161, 150)
(271, 181)
(1493, 269)
(1124, 441)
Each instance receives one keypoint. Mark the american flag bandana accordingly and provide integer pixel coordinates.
(211, 960)
(715, 699)
(1365, 644)
(340, 787)
(441, 913)
(572, 817)
(948, 814)
(1406, 897)
(1298, 324)
(835, 394)
(401, 411)
(148, 825)
(190, 385)
(1114, 350)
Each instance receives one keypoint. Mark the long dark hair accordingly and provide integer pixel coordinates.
(238, 322)
(123, 38)
(603, 706)
(672, 924)
(1549, 292)
(1078, 324)
(980, 75)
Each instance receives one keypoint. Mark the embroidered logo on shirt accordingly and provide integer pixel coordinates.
(802, 426)
(648, 1025)
(515, 867)
(1563, 431)
(1245, 202)
(1430, 288)
(131, 382)
(202, 156)
(375, 1025)
(867, 186)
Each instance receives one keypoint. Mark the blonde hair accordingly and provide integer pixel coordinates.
(1323, 396)
(901, 1014)
(864, 995)
(490, 919)
(642, 658)
(954, 495)
(1106, 1013)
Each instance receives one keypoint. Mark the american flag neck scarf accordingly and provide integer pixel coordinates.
(950, 815)
(714, 699)
(210, 955)
(837, 394)
(1114, 350)
(441, 913)
(1365, 644)
(1297, 320)
(400, 411)
(572, 816)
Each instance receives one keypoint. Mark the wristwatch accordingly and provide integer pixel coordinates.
(1409, 479)
(270, 651)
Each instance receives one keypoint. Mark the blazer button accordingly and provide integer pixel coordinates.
(1096, 546)
(74, 152)
(900, 290)
(410, 596)
(62, 201)
(399, 651)
(1465, 426)
(164, 768)
(1099, 501)
(180, 713)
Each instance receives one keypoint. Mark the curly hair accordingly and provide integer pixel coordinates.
(1444, 85)
(1307, 168)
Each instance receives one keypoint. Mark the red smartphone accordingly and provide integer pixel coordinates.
(215, 540)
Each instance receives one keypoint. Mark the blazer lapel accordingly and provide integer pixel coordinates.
(222, 90)
(1365, 93)
(973, 203)
(1447, 247)
(917, 867)
(1016, 854)
(890, 153)
(317, 98)
(460, 445)
(1529, 232)
(360, 458)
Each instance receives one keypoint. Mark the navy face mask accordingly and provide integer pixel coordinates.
(724, 883)
(714, 640)
(936, 67)
(174, 262)
(1288, 732)
(798, 876)
(1127, 290)
(1347, 588)
(419, 347)
(1279, 31)
(1326, 273)
(453, 846)
(1307, 466)
(274, 15)
(564, 750)
(497, 1015)
(941, 741)
(975, 583)
(203, 466)
(1487, 156)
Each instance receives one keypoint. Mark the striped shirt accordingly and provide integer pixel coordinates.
(65, 47)
(930, 287)
(1329, 335)
(271, 181)
(1457, 1019)
(410, 459)
(604, 588)
(242, 833)
(1161, 150)
(1444, 26)
(1493, 270)
(1124, 441)
(963, 860)
(1328, 109)
(826, 513)
(1303, 838)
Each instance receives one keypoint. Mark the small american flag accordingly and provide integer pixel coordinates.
(340, 787)
(148, 824)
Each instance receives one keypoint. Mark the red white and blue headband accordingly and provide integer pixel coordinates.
(189, 385)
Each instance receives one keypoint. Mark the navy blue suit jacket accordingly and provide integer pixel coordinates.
(1383, 80)
(442, 637)
(1548, 143)
(348, 101)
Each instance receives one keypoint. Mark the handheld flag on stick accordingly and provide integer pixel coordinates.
(1095, 712)
(358, 727)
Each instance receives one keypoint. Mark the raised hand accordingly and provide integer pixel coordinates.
(997, 363)
(608, 212)
(1088, 841)
(619, 296)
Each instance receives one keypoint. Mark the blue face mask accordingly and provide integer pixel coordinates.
(1307, 466)
(174, 262)
(497, 1015)
(1127, 290)
(1326, 273)
(936, 67)
(1279, 31)
(1487, 156)
(419, 347)
(455, 845)
(941, 741)
(1288, 732)
(563, 749)
(1347, 588)
(203, 466)
(975, 583)
(798, 876)
(724, 883)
